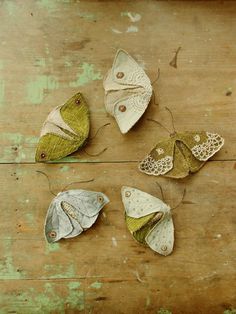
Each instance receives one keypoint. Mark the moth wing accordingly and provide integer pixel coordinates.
(161, 238)
(160, 160)
(57, 223)
(86, 205)
(126, 73)
(203, 145)
(128, 91)
(139, 204)
(64, 131)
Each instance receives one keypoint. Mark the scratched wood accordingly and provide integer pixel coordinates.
(49, 51)
(50, 63)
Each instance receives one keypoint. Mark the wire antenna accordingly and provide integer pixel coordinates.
(49, 183)
(98, 130)
(85, 181)
(159, 123)
(184, 193)
(172, 118)
(157, 78)
(92, 138)
(162, 194)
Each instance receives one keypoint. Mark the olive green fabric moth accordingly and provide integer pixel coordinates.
(65, 130)
(149, 220)
(181, 154)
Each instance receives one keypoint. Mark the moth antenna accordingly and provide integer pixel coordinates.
(159, 123)
(162, 194)
(101, 127)
(157, 78)
(97, 154)
(85, 181)
(49, 183)
(181, 200)
(154, 98)
(172, 118)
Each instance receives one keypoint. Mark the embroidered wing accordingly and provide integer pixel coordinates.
(203, 145)
(128, 91)
(161, 237)
(160, 160)
(143, 213)
(64, 131)
(72, 212)
(181, 154)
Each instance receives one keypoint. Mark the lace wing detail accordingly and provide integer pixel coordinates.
(161, 237)
(160, 159)
(203, 145)
(128, 91)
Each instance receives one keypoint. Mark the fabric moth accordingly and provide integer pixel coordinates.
(65, 130)
(181, 153)
(128, 91)
(149, 220)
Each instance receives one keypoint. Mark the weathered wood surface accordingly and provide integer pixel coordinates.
(49, 51)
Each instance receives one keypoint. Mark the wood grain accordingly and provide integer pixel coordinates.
(49, 51)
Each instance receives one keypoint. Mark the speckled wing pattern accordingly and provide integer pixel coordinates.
(64, 131)
(149, 220)
(72, 212)
(181, 154)
(128, 91)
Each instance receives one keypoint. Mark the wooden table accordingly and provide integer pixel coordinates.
(52, 49)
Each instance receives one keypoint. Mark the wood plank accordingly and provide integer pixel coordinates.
(50, 63)
(116, 272)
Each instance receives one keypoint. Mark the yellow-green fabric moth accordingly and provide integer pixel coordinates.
(149, 220)
(181, 154)
(65, 130)
(72, 212)
(128, 91)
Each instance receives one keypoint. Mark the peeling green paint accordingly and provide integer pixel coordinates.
(163, 311)
(230, 311)
(7, 267)
(56, 271)
(30, 218)
(40, 62)
(86, 74)
(37, 87)
(49, 248)
(17, 146)
(96, 285)
(47, 302)
(49, 5)
(10, 7)
(64, 168)
(2, 91)
(74, 285)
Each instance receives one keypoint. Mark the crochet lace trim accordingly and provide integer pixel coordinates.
(207, 149)
(156, 167)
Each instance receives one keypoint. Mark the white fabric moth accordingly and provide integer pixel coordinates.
(138, 204)
(72, 212)
(128, 91)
